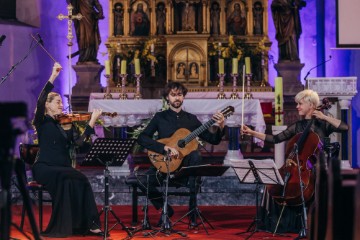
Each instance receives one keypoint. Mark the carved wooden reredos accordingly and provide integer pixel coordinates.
(183, 32)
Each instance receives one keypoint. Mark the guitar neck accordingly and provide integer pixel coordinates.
(198, 131)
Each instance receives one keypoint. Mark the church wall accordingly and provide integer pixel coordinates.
(27, 80)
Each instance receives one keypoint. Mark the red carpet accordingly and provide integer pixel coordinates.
(228, 222)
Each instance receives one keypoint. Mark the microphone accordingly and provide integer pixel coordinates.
(40, 39)
(322, 63)
(2, 38)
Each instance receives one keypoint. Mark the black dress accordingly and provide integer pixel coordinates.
(290, 220)
(73, 205)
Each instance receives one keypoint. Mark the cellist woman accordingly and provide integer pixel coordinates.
(322, 125)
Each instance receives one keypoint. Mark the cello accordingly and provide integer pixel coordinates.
(304, 147)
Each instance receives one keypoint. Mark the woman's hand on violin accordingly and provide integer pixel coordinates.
(319, 115)
(94, 116)
(55, 72)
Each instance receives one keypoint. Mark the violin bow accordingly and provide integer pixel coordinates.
(243, 97)
(40, 44)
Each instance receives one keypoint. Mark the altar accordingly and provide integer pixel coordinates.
(132, 112)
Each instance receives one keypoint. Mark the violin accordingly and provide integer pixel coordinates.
(304, 147)
(68, 118)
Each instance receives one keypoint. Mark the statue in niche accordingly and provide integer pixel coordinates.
(140, 24)
(180, 71)
(215, 19)
(160, 19)
(118, 19)
(194, 73)
(236, 21)
(286, 15)
(87, 29)
(188, 17)
(258, 18)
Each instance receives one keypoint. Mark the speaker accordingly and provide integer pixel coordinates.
(8, 9)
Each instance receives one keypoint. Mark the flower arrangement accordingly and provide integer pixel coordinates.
(237, 49)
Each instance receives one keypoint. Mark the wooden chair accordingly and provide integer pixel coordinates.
(28, 153)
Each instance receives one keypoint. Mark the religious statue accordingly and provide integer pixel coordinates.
(236, 21)
(258, 18)
(194, 70)
(140, 23)
(160, 19)
(118, 19)
(188, 17)
(286, 15)
(180, 71)
(215, 19)
(87, 29)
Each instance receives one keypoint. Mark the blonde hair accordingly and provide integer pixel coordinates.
(51, 96)
(309, 96)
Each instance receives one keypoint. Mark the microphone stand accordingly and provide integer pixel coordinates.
(12, 69)
(302, 233)
(307, 74)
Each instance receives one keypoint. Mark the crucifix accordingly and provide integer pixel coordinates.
(278, 112)
(70, 36)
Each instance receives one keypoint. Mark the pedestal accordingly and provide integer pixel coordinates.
(233, 154)
(290, 72)
(87, 79)
(279, 147)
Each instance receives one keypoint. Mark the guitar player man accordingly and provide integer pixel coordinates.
(168, 125)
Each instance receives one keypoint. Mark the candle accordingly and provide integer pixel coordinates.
(137, 66)
(221, 66)
(243, 97)
(107, 67)
(247, 65)
(234, 65)
(123, 67)
(152, 48)
(279, 100)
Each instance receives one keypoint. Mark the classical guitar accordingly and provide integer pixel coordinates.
(184, 141)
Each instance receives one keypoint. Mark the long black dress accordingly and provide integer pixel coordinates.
(291, 217)
(73, 205)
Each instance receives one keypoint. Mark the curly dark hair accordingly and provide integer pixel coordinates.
(174, 85)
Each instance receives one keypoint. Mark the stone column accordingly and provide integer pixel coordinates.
(345, 105)
(290, 72)
(126, 18)
(204, 17)
(279, 156)
(222, 18)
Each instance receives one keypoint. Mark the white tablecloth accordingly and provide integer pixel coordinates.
(131, 112)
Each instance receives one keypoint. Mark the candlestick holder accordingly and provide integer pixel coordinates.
(137, 94)
(107, 94)
(221, 94)
(234, 94)
(248, 94)
(123, 94)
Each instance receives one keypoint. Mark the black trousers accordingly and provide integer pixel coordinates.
(156, 180)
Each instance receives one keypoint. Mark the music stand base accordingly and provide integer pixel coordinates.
(199, 215)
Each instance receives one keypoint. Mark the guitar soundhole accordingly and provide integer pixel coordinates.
(181, 143)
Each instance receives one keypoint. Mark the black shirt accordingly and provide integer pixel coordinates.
(167, 122)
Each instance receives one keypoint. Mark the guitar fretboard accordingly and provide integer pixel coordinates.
(198, 131)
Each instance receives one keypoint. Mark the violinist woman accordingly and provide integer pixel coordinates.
(322, 125)
(74, 209)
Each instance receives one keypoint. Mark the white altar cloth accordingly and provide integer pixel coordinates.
(131, 112)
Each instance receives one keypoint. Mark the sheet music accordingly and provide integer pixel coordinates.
(266, 170)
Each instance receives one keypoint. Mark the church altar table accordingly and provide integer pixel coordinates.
(131, 112)
(262, 96)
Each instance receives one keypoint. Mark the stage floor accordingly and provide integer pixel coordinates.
(228, 222)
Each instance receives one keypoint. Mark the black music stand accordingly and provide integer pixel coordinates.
(258, 172)
(200, 170)
(109, 152)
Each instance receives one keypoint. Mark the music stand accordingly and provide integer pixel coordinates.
(200, 170)
(109, 151)
(258, 172)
